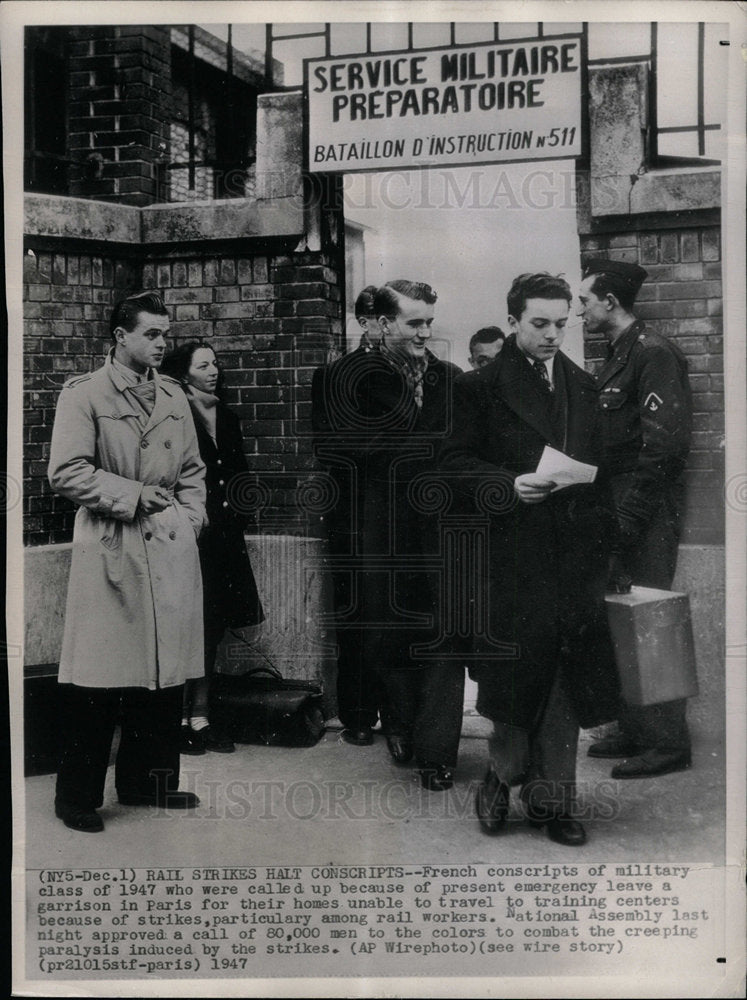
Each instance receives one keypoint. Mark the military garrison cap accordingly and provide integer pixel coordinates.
(631, 274)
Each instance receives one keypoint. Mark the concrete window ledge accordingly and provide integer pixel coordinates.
(683, 189)
(57, 217)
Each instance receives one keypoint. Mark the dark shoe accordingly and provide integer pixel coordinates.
(216, 741)
(191, 742)
(491, 803)
(399, 750)
(436, 777)
(613, 746)
(362, 737)
(169, 800)
(563, 830)
(83, 820)
(651, 763)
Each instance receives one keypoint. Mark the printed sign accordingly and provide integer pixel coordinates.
(457, 106)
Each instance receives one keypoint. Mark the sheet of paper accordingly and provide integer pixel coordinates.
(564, 470)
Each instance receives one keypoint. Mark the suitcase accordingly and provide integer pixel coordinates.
(653, 639)
(260, 706)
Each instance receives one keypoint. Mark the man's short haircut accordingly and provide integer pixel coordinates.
(364, 304)
(486, 335)
(386, 302)
(126, 312)
(536, 286)
(611, 284)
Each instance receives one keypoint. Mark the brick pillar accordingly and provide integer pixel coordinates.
(119, 112)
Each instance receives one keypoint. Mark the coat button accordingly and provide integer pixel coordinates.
(167, 444)
(144, 443)
(172, 535)
(221, 482)
(225, 503)
(148, 536)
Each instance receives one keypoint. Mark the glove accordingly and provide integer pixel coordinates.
(618, 578)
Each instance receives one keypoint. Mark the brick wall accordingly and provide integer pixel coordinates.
(119, 111)
(682, 299)
(270, 318)
(68, 298)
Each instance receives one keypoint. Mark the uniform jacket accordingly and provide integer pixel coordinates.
(134, 603)
(546, 562)
(230, 591)
(646, 408)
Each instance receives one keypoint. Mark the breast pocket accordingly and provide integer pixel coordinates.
(618, 415)
(612, 399)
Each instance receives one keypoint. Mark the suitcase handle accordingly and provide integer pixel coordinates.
(253, 671)
(269, 669)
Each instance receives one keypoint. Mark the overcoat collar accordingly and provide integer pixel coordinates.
(209, 447)
(164, 393)
(514, 382)
(620, 353)
(519, 387)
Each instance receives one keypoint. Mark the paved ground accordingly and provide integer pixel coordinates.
(342, 804)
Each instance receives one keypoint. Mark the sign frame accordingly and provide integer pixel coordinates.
(581, 158)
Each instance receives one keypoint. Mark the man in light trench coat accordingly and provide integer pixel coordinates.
(124, 450)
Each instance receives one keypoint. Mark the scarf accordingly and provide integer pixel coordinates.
(204, 408)
(141, 389)
(413, 370)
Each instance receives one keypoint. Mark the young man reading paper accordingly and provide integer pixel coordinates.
(547, 666)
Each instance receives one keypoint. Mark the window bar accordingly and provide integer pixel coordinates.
(496, 31)
(701, 89)
(452, 33)
(327, 40)
(540, 29)
(191, 105)
(230, 157)
(368, 37)
(268, 55)
(409, 36)
(653, 102)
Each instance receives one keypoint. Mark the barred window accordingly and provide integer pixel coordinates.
(45, 142)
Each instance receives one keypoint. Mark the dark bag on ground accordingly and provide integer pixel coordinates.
(261, 706)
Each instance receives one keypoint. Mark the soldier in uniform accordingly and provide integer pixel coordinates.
(644, 397)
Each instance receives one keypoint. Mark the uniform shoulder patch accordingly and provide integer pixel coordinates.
(653, 402)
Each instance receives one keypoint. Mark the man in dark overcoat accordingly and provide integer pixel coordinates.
(547, 665)
(646, 411)
(337, 426)
(403, 401)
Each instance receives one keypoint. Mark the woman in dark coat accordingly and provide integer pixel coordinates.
(229, 589)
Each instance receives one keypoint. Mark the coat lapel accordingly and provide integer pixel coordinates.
(519, 389)
(208, 447)
(581, 410)
(163, 407)
(620, 355)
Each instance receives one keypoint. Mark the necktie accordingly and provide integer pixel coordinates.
(541, 369)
